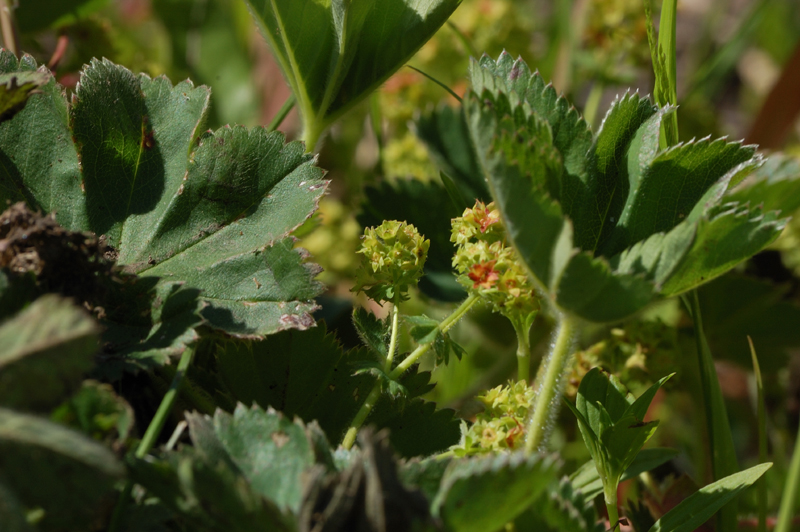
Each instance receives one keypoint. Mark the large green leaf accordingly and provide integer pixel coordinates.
(209, 495)
(480, 494)
(44, 352)
(309, 375)
(55, 468)
(335, 53)
(608, 224)
(212, 210)
(701, 505)
(269, 449)
(40, 161)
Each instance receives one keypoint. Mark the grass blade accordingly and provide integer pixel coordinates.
(663, 54)
(701, 505)
(790, 491)
(762, 439)
(720, 439)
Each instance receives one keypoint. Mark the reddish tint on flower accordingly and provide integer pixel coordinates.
(483, 275)
(484, 217)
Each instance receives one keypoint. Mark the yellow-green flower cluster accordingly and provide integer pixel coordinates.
(488, 267)
(394, 255)
(501, 427)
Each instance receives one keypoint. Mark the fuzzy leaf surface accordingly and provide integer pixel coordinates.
(608, 223)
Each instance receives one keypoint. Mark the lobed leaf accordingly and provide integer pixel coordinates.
(210, 210)
(607, 224)
(479, 494)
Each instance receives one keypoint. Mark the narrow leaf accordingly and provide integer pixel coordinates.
(701, 505)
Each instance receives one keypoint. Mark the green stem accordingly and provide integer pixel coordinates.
(611, 507)
(387, 366)
(523, 351)
(545, 399)
(8, 28)
(445, 326)
(375, 393)
(278, 119)
(372, 398)
(790, 491)
(152, 432)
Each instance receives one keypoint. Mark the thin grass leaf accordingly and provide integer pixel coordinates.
(762, 439)
(720, 438)
(701, 505)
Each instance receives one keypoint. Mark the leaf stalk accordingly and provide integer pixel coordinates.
(547, 392)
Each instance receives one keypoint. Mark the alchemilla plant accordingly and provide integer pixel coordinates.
(170, 359)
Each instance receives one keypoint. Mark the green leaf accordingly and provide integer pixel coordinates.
(480, 494)
(445, 132)
(40, 161)
(701, 505)
(55, 468)
(425, 475)
(308, 374)
(607, 224)
(210, 496)
(44, 352)
(213, 210)
(775, 186)
(132, 344)
(268, 449)
(673, 184)
(563, 508)
(424, 330)
(389, 386)
(587, 480)
(726, 236)
(334, 54)
(372, 331)
(15, 89)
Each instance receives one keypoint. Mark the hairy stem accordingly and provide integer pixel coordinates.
(372, 398)
(546, 393)
(152, 432)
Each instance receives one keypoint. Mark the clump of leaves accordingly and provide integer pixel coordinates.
(608, 223)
